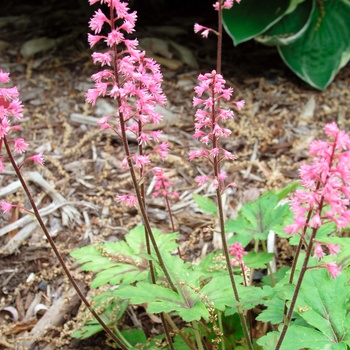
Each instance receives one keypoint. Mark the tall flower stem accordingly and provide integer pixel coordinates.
(296, 292)
(127, 152)
(55, 250)
(148, 247)
(144, 215)
(219, 42)
(229, 268)
(216, 165)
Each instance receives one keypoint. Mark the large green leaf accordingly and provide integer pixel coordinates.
(161, 299)
(324, 303)
(297, 337)
(255, 260)
(252, 17)
(322, 313)
(324, 48)
(124, 261)
(290, 27)
(256, 219)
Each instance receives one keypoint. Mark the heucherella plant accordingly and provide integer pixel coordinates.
(324, 199)
(216, 303)
(11, 106)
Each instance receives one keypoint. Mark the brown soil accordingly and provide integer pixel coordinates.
(270, 138)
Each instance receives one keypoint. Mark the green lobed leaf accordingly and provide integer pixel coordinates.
(277, 276)
(284, 192)
(297, 337)
(257, 219)
(324, 48)
(135, 337)
(257, 260)
(161, 299)
(111, 309)
(250, 18)
(319, 307)
(124, 261)
(205, 204)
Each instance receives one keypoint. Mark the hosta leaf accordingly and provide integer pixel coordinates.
(256, 219)
(290, 27)
(205, 204)
(324, 48)
(250, 18)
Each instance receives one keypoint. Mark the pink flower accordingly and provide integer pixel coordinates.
(332, 268)
(20, 146)
(4, 77)
(94, 39)
(103, 58)
(205, 30)
(4, 126)
(333, 248)
(240, 104)
(37, 158)
(318, 252)
(97, 21)
(141, 161)
(2, 168)
(201, 180)
(6, 207)
(128, 200)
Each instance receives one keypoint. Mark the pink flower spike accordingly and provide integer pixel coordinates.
(38, 158)
(6, 207)
(128, 200)
(333, 269)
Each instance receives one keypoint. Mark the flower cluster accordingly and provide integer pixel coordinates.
(162, 184)
(11, 106)
(237, 252)
(132, 79)
(210, 92)
(326, 194)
